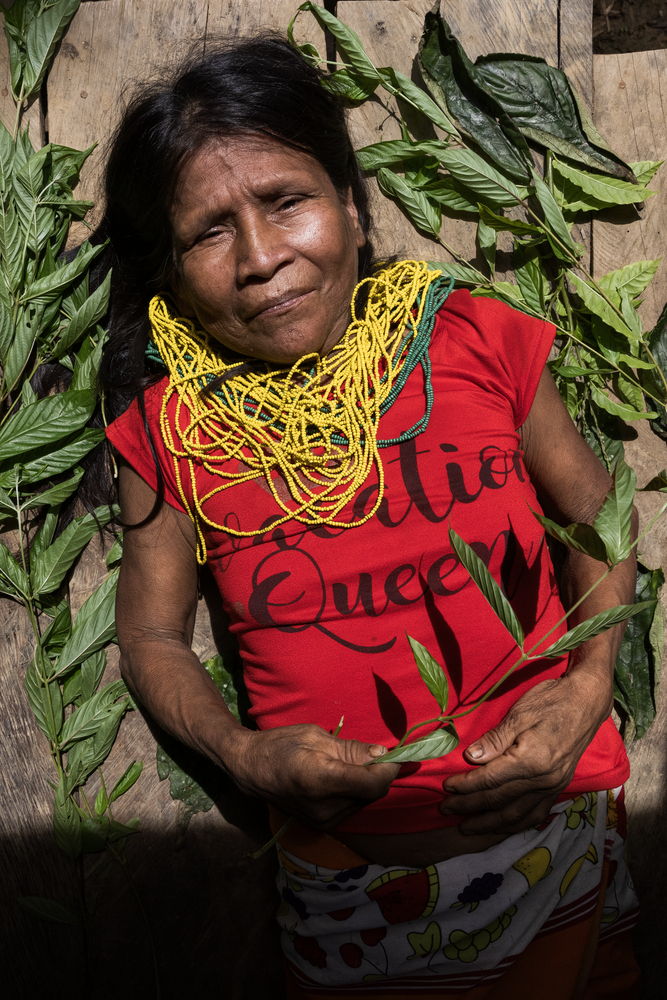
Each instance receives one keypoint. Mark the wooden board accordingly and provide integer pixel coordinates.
(630, 98)
(113, 46)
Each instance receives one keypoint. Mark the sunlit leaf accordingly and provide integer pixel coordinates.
(416, 205)
(562, 244)
(435, 744)
(93, 628)
(86, 719)
(582, 537)
(51, 567)
(488, 587)
(597, 304)
(431, 673)
(471, 170)
(400, 85)
(348, 42)
(128, 779)
(592, 627)
(582, 191)
(44, 423)
(448, 74)
(33, 30)
(613, 522)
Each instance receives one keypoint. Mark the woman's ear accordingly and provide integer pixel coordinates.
(353, 212)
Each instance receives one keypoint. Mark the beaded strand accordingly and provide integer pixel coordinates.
(309, 430)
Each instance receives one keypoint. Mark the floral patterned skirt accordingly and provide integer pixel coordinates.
(462, 924)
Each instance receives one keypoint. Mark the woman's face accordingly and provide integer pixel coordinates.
(266, 249)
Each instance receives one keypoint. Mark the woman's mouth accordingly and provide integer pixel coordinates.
(278, 305)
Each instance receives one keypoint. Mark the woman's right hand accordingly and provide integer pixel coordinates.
(308, 773)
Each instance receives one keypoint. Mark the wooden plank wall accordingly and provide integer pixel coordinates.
(203, 915)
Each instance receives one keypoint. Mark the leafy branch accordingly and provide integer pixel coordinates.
(50, 315)
(608, 539)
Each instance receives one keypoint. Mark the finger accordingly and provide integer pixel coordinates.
(494, 743)
(522, 814)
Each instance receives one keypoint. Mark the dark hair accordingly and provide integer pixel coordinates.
(253, 86)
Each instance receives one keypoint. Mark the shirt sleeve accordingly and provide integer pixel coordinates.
(505, 348)
(132, 438)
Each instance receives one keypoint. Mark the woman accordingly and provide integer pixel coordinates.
(284, 426)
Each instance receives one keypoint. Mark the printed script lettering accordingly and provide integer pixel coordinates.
(290, 577)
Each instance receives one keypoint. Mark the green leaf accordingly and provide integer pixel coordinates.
(401, 86)
(87, 755)
(225, 682)
(502, 224)
(582, 537)
(397, 152)
(617, 409)
(630, 280)
(486, 241)
(33, 29)
(449, 76)
(657, 343)
(55, 636)
(445, 191)
(431, 673)
(542, 105)
(51, 567)
(591, 627)
(83, 318)
(464, 274)
(92, 670)
(128, 779)
(14, 580)
(488, 587)
(55, 495)
(45, 699)
(66, 823)
(644, 170)
(530, 277)
(657, 483)
(49, 462)
(86, 719)
(613, 522)
(182, 786)
(44, 423)
(47, 288)
(471, 170)
(416, 205)
(639, 659)
(101, 802)
(49, 909)
(349, 87)
(561, 242)
(348, 43)
(435, 744)
(596, 304)
(93, 628)
(582, 191)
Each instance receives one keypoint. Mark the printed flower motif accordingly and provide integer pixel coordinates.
(481, 888)
(308, 948)
(351, 954)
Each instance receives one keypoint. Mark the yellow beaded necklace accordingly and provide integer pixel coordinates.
(310, 430)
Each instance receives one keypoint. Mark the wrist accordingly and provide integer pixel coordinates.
(593, 685)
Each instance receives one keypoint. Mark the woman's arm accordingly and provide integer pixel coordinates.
(530, 757)
(303, 769)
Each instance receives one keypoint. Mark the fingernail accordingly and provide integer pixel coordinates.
(475, 752)
(377, 751)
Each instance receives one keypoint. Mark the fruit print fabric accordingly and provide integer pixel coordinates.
(470, 916)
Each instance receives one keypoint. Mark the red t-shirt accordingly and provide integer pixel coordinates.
(321, 614)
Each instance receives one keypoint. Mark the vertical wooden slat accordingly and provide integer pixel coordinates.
(630, 105)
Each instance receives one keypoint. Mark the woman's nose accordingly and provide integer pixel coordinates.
(262, 248)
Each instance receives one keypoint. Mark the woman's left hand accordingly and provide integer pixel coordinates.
(530, 757)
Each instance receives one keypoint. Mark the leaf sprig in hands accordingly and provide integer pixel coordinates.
(608, 539)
